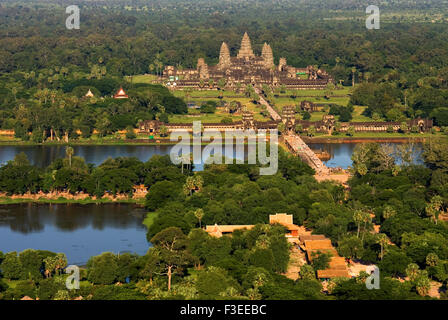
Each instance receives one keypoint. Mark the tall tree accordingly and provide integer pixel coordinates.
(172, 253)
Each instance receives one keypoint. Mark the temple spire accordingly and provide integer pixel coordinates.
(246, 48)
(266, 54)
(224, 56)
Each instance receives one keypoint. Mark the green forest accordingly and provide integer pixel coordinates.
(406, 200)
(392, 212)
(46, 69)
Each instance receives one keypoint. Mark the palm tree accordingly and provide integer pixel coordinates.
(199, 214)
(193, 183)
(353, 76)
(61, 262)
(50, 266)
(422, 283)
(366, 218)
(412, 271)
(432, 259)
(383, 241)
(358, 218)
(367, 76)
(362, 169)
(69, 153)
(433, 208)
(253, 294)
(388, 212)
(248, 90)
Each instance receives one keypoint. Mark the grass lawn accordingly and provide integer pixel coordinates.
(142, 78)
(357, 115)
(149, 220)
(384, 135)
(219, 114)
(193, 95)
(280, 102)
(318, 93)
(8, 138)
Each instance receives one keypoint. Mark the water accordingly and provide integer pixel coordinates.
(42, 156)
(341, 153)
(79, 231)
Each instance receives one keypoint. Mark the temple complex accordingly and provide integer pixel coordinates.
(310, 244)
(326, 125)
(283, 219)
(246, 68)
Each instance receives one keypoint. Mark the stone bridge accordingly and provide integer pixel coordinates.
(294, 143)
(274, 115)
(297, 146)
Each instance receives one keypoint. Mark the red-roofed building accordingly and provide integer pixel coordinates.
(121, 94)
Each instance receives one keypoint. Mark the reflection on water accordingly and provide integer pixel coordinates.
(42, 156)
(341, 153)
(79, 231)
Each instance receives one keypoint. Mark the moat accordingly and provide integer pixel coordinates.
(79, 231)
(43, 155)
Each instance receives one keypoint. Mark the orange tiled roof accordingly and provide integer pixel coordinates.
(318, 244)
(218, 230)
(332, 273)
(303, 238)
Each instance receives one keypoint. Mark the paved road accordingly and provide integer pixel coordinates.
(274, 115)
(296, 143)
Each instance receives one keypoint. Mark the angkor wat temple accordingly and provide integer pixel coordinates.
(246, 68)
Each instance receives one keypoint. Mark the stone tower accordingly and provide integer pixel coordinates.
(248, 120)
(267, 55)
(246, 48)
(224, 57)
(202, 69)
(288, 117)
(282, 64)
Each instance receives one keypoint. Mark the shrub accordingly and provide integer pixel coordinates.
(130, 133)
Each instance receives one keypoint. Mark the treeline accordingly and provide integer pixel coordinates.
(395, 100)
(402, 65)
(73, 174)
(125, 41)
(64, 113)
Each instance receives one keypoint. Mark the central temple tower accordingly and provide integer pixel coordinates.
(246, 48)
(224, 57)
(267, 55)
